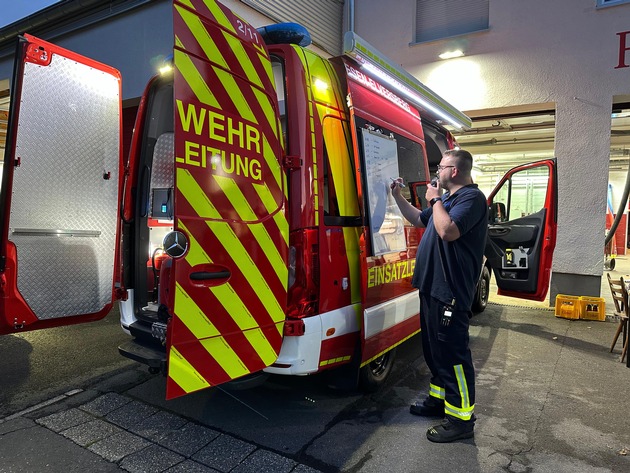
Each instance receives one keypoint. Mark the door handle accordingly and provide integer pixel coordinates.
(498, 230)
(210, 274)
(205, 275)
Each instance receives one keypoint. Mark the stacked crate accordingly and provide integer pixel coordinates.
(580, 307)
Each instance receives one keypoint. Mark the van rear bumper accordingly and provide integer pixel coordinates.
(301, 355)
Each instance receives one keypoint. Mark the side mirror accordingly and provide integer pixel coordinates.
(497, 212)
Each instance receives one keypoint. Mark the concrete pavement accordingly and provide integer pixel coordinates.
(550, 398)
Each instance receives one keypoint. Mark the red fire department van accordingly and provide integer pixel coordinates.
(250, 229)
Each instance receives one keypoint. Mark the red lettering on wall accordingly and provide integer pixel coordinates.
(623, 49)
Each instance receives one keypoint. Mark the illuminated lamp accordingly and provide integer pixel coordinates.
(165, 69)
(387, 73)
(167, 65)
(451, 54)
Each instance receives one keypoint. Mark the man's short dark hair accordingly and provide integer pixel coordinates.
(463, 159)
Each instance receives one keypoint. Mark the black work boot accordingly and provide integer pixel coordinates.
(430, 407)
(450, 430)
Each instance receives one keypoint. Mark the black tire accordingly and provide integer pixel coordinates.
(373, 375)
(612, 264)
(483, 292)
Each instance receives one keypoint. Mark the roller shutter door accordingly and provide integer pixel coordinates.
(322, 18)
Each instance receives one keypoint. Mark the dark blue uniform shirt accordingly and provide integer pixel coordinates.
(462, 258)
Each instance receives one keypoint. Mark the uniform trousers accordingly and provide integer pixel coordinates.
(447, 354)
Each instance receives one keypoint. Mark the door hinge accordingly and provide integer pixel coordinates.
(292, 162)
(120, 294)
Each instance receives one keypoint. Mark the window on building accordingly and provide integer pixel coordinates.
(610, 3)
(446, 18)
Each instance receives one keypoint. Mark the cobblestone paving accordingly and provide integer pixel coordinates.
(140, 438)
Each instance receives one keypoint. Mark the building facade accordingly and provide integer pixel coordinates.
(570, 56)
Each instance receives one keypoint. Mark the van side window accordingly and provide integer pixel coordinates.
(522, 195)
(277, 66)
(436, 143)
(340, 200)
(386, 155)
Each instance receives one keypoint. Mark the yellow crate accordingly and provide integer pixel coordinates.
(592, 308)
(567, 307)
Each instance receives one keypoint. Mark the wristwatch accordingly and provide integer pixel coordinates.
(434, 200)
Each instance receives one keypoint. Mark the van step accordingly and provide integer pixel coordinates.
(153, 357)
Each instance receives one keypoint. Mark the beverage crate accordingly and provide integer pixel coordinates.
(567, 307)
(592, 308)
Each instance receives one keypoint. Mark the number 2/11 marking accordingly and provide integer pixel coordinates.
(247, 30)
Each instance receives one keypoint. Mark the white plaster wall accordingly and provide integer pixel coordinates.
(536, 51)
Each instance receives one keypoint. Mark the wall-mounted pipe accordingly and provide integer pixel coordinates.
(351, 15)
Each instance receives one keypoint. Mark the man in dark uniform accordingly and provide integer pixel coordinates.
(448, 264)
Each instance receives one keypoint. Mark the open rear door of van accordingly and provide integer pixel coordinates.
(522, 230)
(60, 190)
(230, 286)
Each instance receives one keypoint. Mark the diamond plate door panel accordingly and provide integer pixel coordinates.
(162, 168)
(64, 212)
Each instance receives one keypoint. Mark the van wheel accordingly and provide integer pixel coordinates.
(372, 375)
(483, 291)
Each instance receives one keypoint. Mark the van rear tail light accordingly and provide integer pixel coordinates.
(303, 274)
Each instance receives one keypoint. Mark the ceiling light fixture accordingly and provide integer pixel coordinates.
(451, 54)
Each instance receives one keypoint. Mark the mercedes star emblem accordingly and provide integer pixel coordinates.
(175, 244)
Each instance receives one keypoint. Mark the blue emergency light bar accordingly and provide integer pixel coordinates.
(285, 33)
